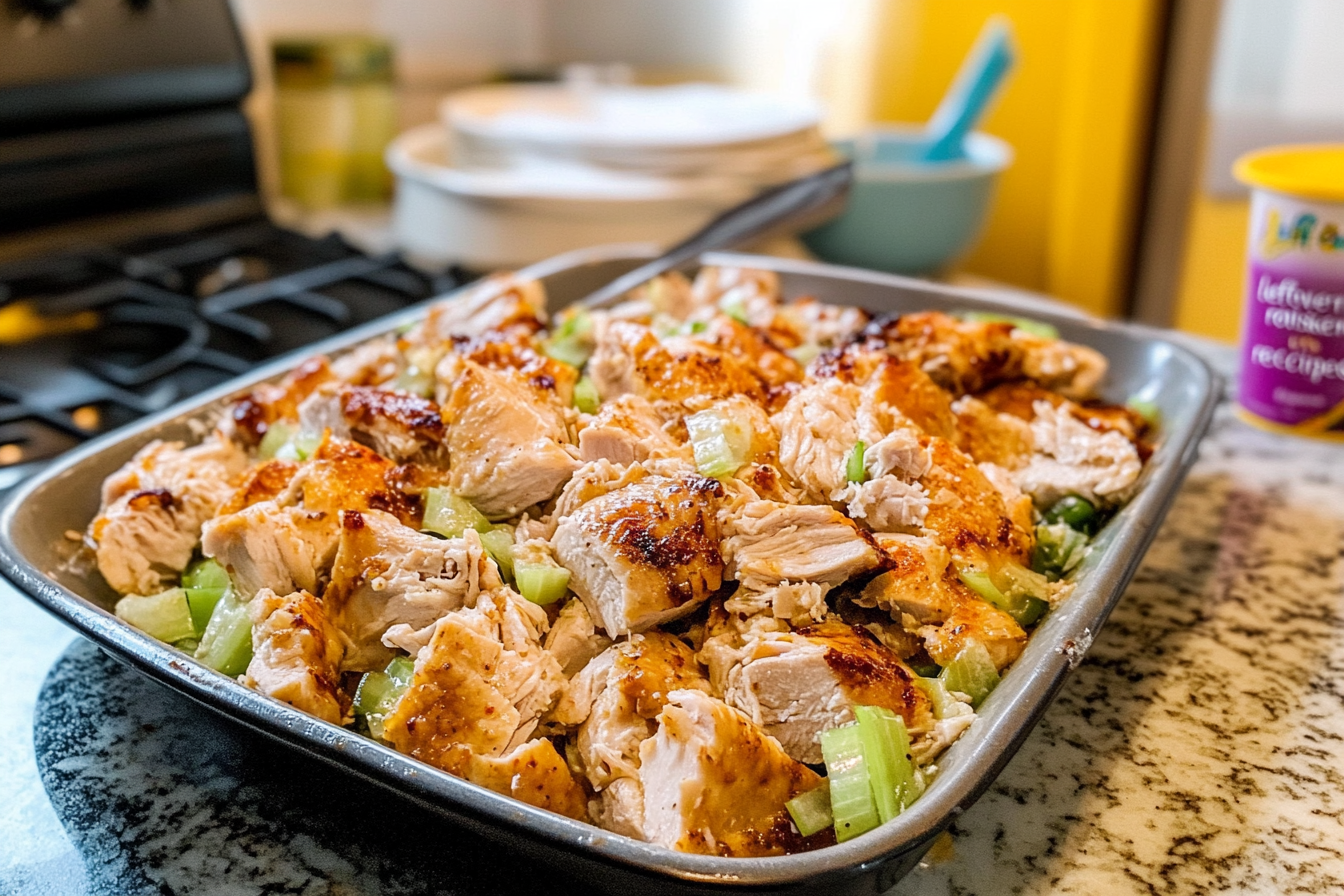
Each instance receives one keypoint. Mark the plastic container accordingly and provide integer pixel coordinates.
(1292, 371)
(910, 217)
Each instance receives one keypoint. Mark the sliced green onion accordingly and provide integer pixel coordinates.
(944, 704)
(499, 545)
(1026, 324)
(226, 645)
(972, 673)
(379, 692)
(696, 327)
(722, 446)
(854, 469)
(851, 791)
(204, 582)
(1059, 549)
(811, 811)
(541, 583)
(586, 398)
(277, 435)
(1017, 591)
(1075, 512)
(886, 749)
(450, 515)
(165, 616)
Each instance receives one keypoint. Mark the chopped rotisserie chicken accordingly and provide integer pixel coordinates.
(296, 654)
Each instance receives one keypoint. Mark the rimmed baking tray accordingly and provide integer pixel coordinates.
(38, 557)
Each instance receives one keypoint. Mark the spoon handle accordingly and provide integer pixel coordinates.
(788, 203)
(975, 85)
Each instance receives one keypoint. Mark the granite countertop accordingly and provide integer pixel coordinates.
(1199, 747)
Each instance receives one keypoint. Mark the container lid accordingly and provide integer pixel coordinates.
(1311, 171)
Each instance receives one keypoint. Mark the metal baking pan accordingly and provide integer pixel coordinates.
(37, 556)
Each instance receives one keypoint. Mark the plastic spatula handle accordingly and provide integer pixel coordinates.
(968, 98)
(794, 204)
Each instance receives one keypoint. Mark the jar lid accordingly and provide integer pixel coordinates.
(332, 59)
(1310, 170)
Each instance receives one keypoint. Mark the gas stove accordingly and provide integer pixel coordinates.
(135, 266)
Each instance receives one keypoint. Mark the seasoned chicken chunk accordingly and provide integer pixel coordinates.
(574, 639)
(533, 773)
(153, 508)
(386, 574)
(500, 302)
(751, 293)
(645, 553)
(614, 700)
(397, 425)
(768, 543)
(296, 654)
(508, 448)
(967, 514)
(624, 431)
(799, 684)
(481, 682)
(251, 416)
(714, 783)
(1072, 458)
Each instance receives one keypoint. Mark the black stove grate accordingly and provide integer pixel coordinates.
(93, 339)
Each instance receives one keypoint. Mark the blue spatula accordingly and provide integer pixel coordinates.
(967, 100)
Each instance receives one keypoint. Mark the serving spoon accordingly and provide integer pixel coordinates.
(795, 204)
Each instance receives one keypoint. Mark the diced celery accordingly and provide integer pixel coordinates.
(378, 692)
(569, 342)
(721, 445)
(1015, 590)
(847, 773)
(541, 583)
(811, 811)
(1147, 409)
(1027, 325)
(277, 434)
(416, 381)
(165, 615)
(204, 582)
(450, 515)
(1059, 549)
(734, 307)
(972, 673)
(944, 704)
(891, 769)
(499, 545)
(226, 645)
(586, 398)
(854, 469)
(1075, 512)
(805, 353)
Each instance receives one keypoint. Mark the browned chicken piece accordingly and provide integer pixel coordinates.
(266, 481)
(481, 682)
(296, 654)
(153, 507)
(671, 373)
(373, 363)
(797, 603)
(991, 436)
(966, 513)
(614, 701)
(624, 431)
(574, 639)
(397, 425)
(921, 591)
(808, 322)
(387, 575)
(286, 543)
(550, 379)
(714, 783)
(508, 448)
(751, 293)
(501, 302)
(889, 381)
(769, 543)
(799, 684)
(533, 773)
(253, 414)
(754, 348)
(667, 294)
(817, 431)
(645, 553)
(971, 356)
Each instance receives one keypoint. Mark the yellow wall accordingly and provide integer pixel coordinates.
(1076, 113)
(1209, 296)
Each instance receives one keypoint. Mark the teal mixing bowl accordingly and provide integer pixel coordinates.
(905, 216)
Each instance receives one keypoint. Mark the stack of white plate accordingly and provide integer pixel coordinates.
(516, 173)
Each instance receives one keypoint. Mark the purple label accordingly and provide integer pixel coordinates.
(1292, 370)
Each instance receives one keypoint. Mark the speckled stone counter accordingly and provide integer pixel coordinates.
(1198, 749)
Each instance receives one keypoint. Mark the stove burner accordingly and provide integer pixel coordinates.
(94, 339)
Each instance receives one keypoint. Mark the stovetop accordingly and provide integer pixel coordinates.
(94, 338)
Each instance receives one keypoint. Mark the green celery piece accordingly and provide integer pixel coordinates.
(891, 768)
(277, 434)
(851, 791)
(586, 398)
(972, 673)
(1059, 549)
(1023, 607)
(165, 616)
(938, 694)
(204, 582)
(498, 544)
(450, 515)
(1147, 409)
(805, 354)
(736, 309)
(854, 469)
(1075, 512)
(576, 323)
(567, 351)
(721, 446)
(226, 644)
(1026, 324)
(541, 583)
(415, 381)
(811, 811)
(378, 692)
